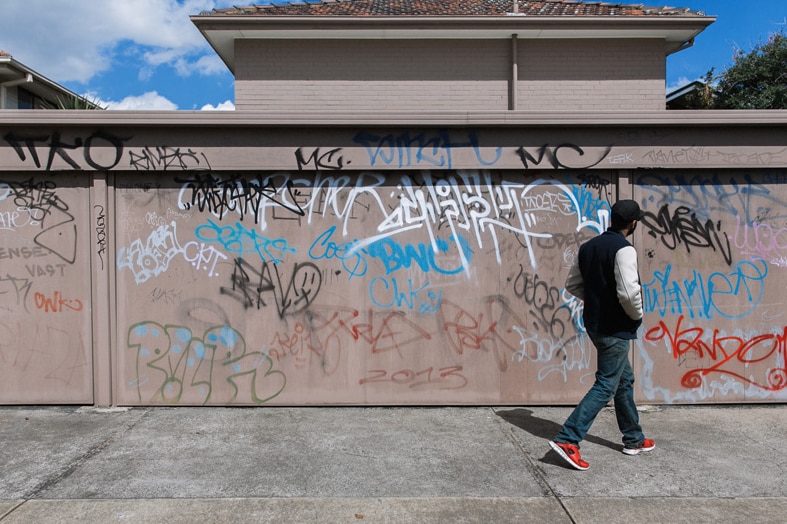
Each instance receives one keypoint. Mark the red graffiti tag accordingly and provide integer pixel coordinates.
(57, 304)
(318, 335)
(491, 331)
(445, 378)
(726, 352)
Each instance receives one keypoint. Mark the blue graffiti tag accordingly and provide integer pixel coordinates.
(406, 150)
(702, 297)
(239, 239)
(394, 256)
(353, 258)
(399, 295)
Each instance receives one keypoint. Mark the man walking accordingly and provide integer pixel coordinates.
(605, 276)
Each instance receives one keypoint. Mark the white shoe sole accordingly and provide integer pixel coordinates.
(565, 457)
(631, 451)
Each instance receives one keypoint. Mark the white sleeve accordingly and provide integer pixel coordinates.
(574, 283)
(627, 282)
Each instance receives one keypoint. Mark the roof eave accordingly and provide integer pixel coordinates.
(222, 31)
(42, 85)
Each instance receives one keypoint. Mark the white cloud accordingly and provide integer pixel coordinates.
(150, 101)
(204, 65)
(680, 82)
(76, 40)
(224, 106)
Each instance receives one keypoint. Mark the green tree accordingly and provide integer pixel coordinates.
(73, 102)
(756, 80)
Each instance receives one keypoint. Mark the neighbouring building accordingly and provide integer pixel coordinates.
(389, 215)
(23, 88)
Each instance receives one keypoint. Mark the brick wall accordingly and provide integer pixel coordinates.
(448, 74)
(591, 75)
(367, 74)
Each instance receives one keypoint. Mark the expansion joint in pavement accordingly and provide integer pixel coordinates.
(533, 467)
(87, 455)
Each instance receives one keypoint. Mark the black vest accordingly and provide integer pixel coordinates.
(603, 312)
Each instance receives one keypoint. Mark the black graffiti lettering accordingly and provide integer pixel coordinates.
(10, 253)
(114, 141)
(38, 197)
(303, 286)
(251, 285)
(168, 296)
(58, 226)
(60, 148)
(30, 143)
(101, 233)
(270, 192)
(46, 270)
(329, 160)
(242, 288)
(61, 238)
(544, 300)
(683, 227)
(239, 194)
(165, 158)
(525, 155)
(19, 286)
(557, 158)
(563, 240)
(594, 181)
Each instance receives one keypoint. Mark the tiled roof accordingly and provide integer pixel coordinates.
(452, 8)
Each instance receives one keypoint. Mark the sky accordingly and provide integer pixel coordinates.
(739, 25)
(148, 55)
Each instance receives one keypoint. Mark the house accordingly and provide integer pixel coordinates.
(677, 98)
(437, 55)
(389, 216)
(23, 88)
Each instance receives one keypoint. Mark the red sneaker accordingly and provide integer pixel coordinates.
(570, 453)
(647, 445)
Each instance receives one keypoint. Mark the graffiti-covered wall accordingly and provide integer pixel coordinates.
(351, 288)
(45, 296)
(228, 266)
(713, 272)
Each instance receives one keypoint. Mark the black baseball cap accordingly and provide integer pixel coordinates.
(626, 210)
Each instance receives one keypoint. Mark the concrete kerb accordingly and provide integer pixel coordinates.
(387, 510)
(295, 510)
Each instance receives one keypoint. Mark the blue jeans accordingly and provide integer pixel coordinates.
(614, 379)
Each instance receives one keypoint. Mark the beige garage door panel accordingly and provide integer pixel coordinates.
(45, 326)
(403, 288)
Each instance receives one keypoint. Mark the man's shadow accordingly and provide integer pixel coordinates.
(547, 429)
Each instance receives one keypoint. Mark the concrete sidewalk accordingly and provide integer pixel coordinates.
(458, 464)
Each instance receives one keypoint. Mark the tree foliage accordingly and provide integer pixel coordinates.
(73, 102)
(755, 80)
